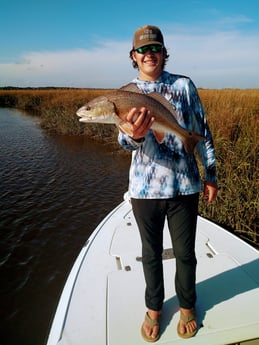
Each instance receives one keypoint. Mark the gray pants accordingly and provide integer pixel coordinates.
(181, 213)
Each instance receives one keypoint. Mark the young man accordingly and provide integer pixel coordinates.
(164, 181)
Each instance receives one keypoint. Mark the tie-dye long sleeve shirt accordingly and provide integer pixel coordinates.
(164, 170)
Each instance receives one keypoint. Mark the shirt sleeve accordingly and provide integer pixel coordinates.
(205, 149)
(128, 143)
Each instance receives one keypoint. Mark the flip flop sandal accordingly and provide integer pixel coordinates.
(152, 323)
(186, 319)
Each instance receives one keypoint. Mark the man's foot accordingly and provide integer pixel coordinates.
(187, 326)
(150, 326)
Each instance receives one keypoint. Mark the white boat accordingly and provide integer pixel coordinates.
(103, 299)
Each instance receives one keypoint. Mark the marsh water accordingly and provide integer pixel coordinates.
(54, 192)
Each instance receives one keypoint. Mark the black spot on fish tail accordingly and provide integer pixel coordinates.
(191, 141)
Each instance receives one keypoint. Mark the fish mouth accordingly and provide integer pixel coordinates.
(92, 118)
(86, 119)
(81, 111)
(85, 116)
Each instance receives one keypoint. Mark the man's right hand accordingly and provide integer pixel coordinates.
(141, 121)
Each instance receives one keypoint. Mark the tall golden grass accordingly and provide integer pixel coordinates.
(233, 116)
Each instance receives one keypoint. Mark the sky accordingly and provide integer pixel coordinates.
(86, 43)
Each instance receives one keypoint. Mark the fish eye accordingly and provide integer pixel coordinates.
(87, 108)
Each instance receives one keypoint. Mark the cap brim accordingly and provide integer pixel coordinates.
(147, 44)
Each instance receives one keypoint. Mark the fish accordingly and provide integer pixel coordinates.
(113, 108)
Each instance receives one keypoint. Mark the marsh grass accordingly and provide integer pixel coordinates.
(233, 116)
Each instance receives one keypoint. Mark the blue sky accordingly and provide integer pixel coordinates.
(80, 43)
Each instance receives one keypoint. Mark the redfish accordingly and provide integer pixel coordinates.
(115, 105)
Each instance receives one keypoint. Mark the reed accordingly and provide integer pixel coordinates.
(233, 118)
(234, 122)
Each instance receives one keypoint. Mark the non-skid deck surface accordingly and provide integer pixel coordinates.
(106, 306)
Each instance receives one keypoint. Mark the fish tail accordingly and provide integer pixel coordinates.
(191, 141)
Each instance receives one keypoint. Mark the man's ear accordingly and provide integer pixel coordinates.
(133, 56)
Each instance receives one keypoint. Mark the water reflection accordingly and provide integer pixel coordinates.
(54, 191)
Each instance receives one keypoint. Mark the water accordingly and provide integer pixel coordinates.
(54, 192)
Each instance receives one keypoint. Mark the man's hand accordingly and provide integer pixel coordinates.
(141, 121)
(210, 191)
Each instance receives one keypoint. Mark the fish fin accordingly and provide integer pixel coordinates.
(159, 136)
(161, 99)
(132, 87)
(126, 128)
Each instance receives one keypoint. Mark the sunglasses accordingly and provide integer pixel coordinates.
(154, 48)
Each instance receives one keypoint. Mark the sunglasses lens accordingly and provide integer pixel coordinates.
(153, 48)
(156, 49)
(142, 50)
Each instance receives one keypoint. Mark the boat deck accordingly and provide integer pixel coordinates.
(103, 300)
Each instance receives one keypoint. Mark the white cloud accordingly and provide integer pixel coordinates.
(222, 59)
(214, 60)
(104, 66)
